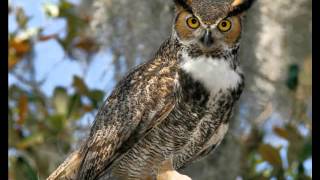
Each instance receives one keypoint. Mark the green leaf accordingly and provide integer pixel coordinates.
(271, 155)
(21, 18)
(74, 106)
(57, 122)
(96, 96)
(24, 170)
(30, 141)
(79, 85)
(75, 25)
(292, 79)
(65, 5)
(60, 100)
(306, 151)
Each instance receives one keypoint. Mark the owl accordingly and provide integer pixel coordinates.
(173, 109)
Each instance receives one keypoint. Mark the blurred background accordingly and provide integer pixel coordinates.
(65, 57)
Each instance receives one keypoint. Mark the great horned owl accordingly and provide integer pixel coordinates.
(174, 108)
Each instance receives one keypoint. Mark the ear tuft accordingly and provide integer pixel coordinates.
(236, 2)
(240, 6)
(183, 4)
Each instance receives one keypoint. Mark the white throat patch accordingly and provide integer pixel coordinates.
(215, 74)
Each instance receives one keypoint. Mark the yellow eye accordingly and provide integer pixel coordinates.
(193, 22)
(224, 25)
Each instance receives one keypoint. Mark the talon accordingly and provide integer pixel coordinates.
(166, 172)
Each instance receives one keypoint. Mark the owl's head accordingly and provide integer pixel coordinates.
(209, 27)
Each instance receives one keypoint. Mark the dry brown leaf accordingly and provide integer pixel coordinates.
(281, 132)
(20, 46)
(48, 37)
(270, 154)
(23, 109)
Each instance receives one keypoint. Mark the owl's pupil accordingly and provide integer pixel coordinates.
(194, 21)
(224, 24)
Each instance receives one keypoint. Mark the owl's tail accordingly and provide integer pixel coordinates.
(68, 170)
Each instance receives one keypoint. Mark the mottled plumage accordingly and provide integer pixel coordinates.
(175, 107)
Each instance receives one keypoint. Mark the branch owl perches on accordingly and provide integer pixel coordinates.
(173, 109)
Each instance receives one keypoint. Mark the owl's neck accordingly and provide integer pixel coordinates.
(217, 72)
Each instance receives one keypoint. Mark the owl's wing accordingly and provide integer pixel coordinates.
(138, 103)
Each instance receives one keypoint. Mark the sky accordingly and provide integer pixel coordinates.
(52, 64)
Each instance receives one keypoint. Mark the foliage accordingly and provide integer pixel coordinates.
(41, 128)
(44, 128)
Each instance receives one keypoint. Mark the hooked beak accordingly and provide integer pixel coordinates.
(207, 39)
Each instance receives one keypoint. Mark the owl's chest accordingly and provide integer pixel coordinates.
(214, 74)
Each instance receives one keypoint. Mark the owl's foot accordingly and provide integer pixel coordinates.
(166, 172)
(172, 175)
